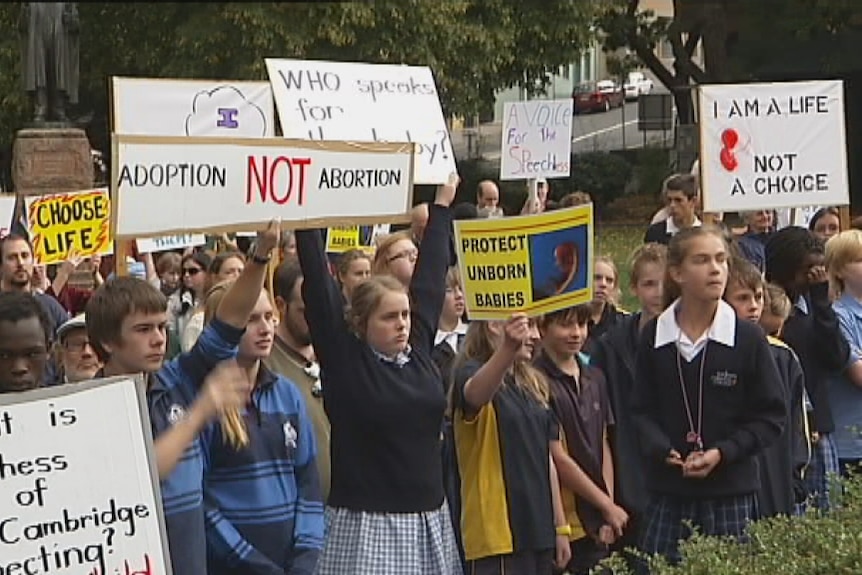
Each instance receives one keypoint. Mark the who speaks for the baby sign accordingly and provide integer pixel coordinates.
(766, 146)
(79, 492)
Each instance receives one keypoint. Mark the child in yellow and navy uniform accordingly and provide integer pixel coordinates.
(503, 430)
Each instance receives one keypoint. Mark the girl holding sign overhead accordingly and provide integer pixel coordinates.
(385, 402)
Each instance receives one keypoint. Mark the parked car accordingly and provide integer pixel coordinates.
(636, 85)
(598, 96)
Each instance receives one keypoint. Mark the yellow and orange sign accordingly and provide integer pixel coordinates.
(63, 224)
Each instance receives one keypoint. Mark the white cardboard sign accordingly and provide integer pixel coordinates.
(206, 108)
(347, 101)
(176, 242)
(767, 146)
(80, 490)
(537, 139)
(7, 213)
(223, 185)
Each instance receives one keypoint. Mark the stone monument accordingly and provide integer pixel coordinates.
(51, 154)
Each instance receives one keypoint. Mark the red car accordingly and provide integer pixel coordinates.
(598, 96)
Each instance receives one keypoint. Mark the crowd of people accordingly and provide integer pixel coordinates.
(351, 419)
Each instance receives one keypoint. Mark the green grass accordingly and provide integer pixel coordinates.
(619, 242)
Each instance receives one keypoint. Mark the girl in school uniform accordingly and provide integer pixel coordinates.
(510, 497)
(386, 511)
(605, 314)
(707, 399)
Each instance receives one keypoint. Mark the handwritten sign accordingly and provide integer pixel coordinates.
(767, 146)
(79, 221)
(537, 139)
(533, 264)
(7, 213)
(367, 103)
(341, 239)
(79, 490)
(221, 185)
(173, 107)
(166, 243)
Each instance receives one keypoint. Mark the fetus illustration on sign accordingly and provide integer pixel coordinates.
(225, 111)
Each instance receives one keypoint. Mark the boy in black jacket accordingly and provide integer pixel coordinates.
(794, 261)
(782, 463)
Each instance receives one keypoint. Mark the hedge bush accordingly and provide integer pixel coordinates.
(814, 544)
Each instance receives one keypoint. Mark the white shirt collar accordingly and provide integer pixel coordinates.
(672, 229)
(451, 337)
(722, 330)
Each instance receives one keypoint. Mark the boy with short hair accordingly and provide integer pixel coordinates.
(781, 464)
(126, 323)
(26, 331)
(585, 467)
(615, 355)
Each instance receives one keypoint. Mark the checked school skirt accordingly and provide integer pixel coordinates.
(360, 543)
(664, 523)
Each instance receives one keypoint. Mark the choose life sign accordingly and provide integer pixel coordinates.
(79, 485)
(537, 139)
(766, 146)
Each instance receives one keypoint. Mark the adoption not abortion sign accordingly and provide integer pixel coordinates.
(537, 139)
(61, 224)
(350, 101)
(79, 488)
(533, 264)
(179, 185)
(766, 146)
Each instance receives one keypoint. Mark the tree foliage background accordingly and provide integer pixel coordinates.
(474, 47)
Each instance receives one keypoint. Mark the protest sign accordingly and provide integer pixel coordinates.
(7, 213)
(340, 239)
(350, 101)
(537, 139)
(209, 108)
(532, 264)
(80, 490)
(165, 243)
(224, 185)
(767, 146)
(62, 223)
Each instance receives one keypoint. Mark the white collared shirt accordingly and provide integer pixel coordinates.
(451, 337)
(722, 330)
(671, 228)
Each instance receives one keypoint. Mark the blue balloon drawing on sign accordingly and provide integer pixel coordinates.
(225, 111)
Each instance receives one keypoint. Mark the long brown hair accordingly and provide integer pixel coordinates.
(677, 251)
(480, 345)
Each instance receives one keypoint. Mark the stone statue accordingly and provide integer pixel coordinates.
(49, 67)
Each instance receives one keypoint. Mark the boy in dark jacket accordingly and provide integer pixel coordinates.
(781, 464)
(615, 355)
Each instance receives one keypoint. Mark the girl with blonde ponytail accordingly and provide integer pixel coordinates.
(503, 430)
(262, 487)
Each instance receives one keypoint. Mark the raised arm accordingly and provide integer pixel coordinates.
(218, 341)
(480, 389)
(428, 284)
(324, 305)
(831, 347)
